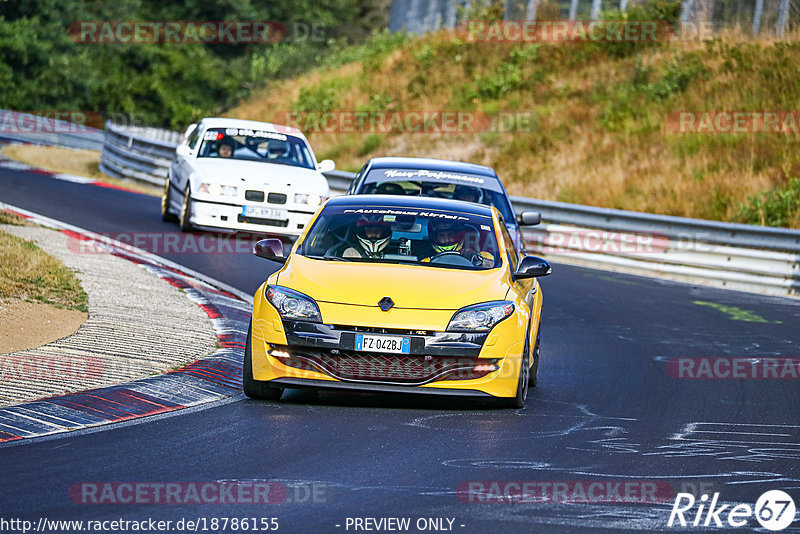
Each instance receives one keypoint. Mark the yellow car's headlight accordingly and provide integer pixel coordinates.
(292, 304)
(480, 317)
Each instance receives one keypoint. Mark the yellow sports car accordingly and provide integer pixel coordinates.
(398, 294)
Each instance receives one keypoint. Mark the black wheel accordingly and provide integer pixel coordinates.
(256, 389)
(186, 211)
(166, 216)
(533, 375)
(518, 401)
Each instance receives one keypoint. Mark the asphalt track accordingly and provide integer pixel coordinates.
(606, 409)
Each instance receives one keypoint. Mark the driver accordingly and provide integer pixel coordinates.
(225, 148)
(449, 237)
(277, 149)
(467, 193)
(372, 236)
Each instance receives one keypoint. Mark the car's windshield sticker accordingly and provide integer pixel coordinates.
(390, 212)
(435, 175)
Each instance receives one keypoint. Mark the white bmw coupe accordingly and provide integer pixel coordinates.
(234, 175)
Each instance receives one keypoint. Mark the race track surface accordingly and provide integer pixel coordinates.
(609, 408)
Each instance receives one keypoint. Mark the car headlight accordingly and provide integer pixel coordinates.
(310, 199)
(480, 317)
(218, 189)
(292, 304)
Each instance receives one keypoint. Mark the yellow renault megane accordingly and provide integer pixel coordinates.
(398, 294)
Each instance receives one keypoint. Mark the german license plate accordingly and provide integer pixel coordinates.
(258, 212)
(372, 343)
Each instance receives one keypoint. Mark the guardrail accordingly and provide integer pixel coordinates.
(138, 153)
(736, 256)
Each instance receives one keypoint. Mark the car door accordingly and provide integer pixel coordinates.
(183, 162)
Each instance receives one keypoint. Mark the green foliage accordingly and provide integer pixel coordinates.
(776, 207)
(377, 102)
(508, 76)
(320, 98)
(371, 144)
(625, 101)
(424, 55)
(173, 84)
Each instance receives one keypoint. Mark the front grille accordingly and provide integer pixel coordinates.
(254, 196)
(399, 369)
(276, 198)
(268, 222)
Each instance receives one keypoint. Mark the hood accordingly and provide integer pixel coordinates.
(269, 175)
(409, 286)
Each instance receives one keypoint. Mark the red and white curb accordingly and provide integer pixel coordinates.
(209, 379)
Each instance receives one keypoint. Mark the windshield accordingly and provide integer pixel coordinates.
(458, 186)
(256, 145)
(434, 238)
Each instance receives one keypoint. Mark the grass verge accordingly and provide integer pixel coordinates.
(30, 274)
(71, 161)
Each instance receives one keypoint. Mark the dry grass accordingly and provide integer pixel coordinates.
(14, 220)
(28, 273)
(600, 134)
(71, 161)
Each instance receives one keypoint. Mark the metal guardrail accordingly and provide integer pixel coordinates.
(735, 256)
(142, 154)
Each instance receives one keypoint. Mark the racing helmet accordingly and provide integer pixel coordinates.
(446, 236)
(277, 149)
(373, 234)
(467, 193)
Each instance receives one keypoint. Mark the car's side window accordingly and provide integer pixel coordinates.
(194, 139)
(511, 250)
(354, 185)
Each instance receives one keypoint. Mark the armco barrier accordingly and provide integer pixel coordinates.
(735, 256)
(137, 153)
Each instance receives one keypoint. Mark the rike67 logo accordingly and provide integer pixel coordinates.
(774, 510)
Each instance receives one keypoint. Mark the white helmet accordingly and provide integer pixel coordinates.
(373, 233)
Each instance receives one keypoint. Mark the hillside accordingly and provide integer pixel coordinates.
(602, 117)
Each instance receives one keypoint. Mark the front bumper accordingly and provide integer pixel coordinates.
(225, 216)
(302, 354)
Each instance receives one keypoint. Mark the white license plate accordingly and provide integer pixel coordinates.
(264, 213)
(372, 343)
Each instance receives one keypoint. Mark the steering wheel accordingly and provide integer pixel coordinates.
(450, 257)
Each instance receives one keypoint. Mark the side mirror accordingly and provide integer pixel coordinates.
(183, 150)
(271, 249)
(326, 165)
(529, 218)
(532, 267)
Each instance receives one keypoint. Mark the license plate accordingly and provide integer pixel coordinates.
(263, 213)
(371, 343)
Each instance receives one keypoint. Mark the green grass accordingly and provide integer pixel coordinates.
(28, 273)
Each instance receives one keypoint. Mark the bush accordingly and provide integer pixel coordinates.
(777, 207)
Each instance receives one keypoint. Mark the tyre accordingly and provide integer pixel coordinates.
(186, 212)
(166, 216)
(518, 401)
(533, 375)
(256, 389)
